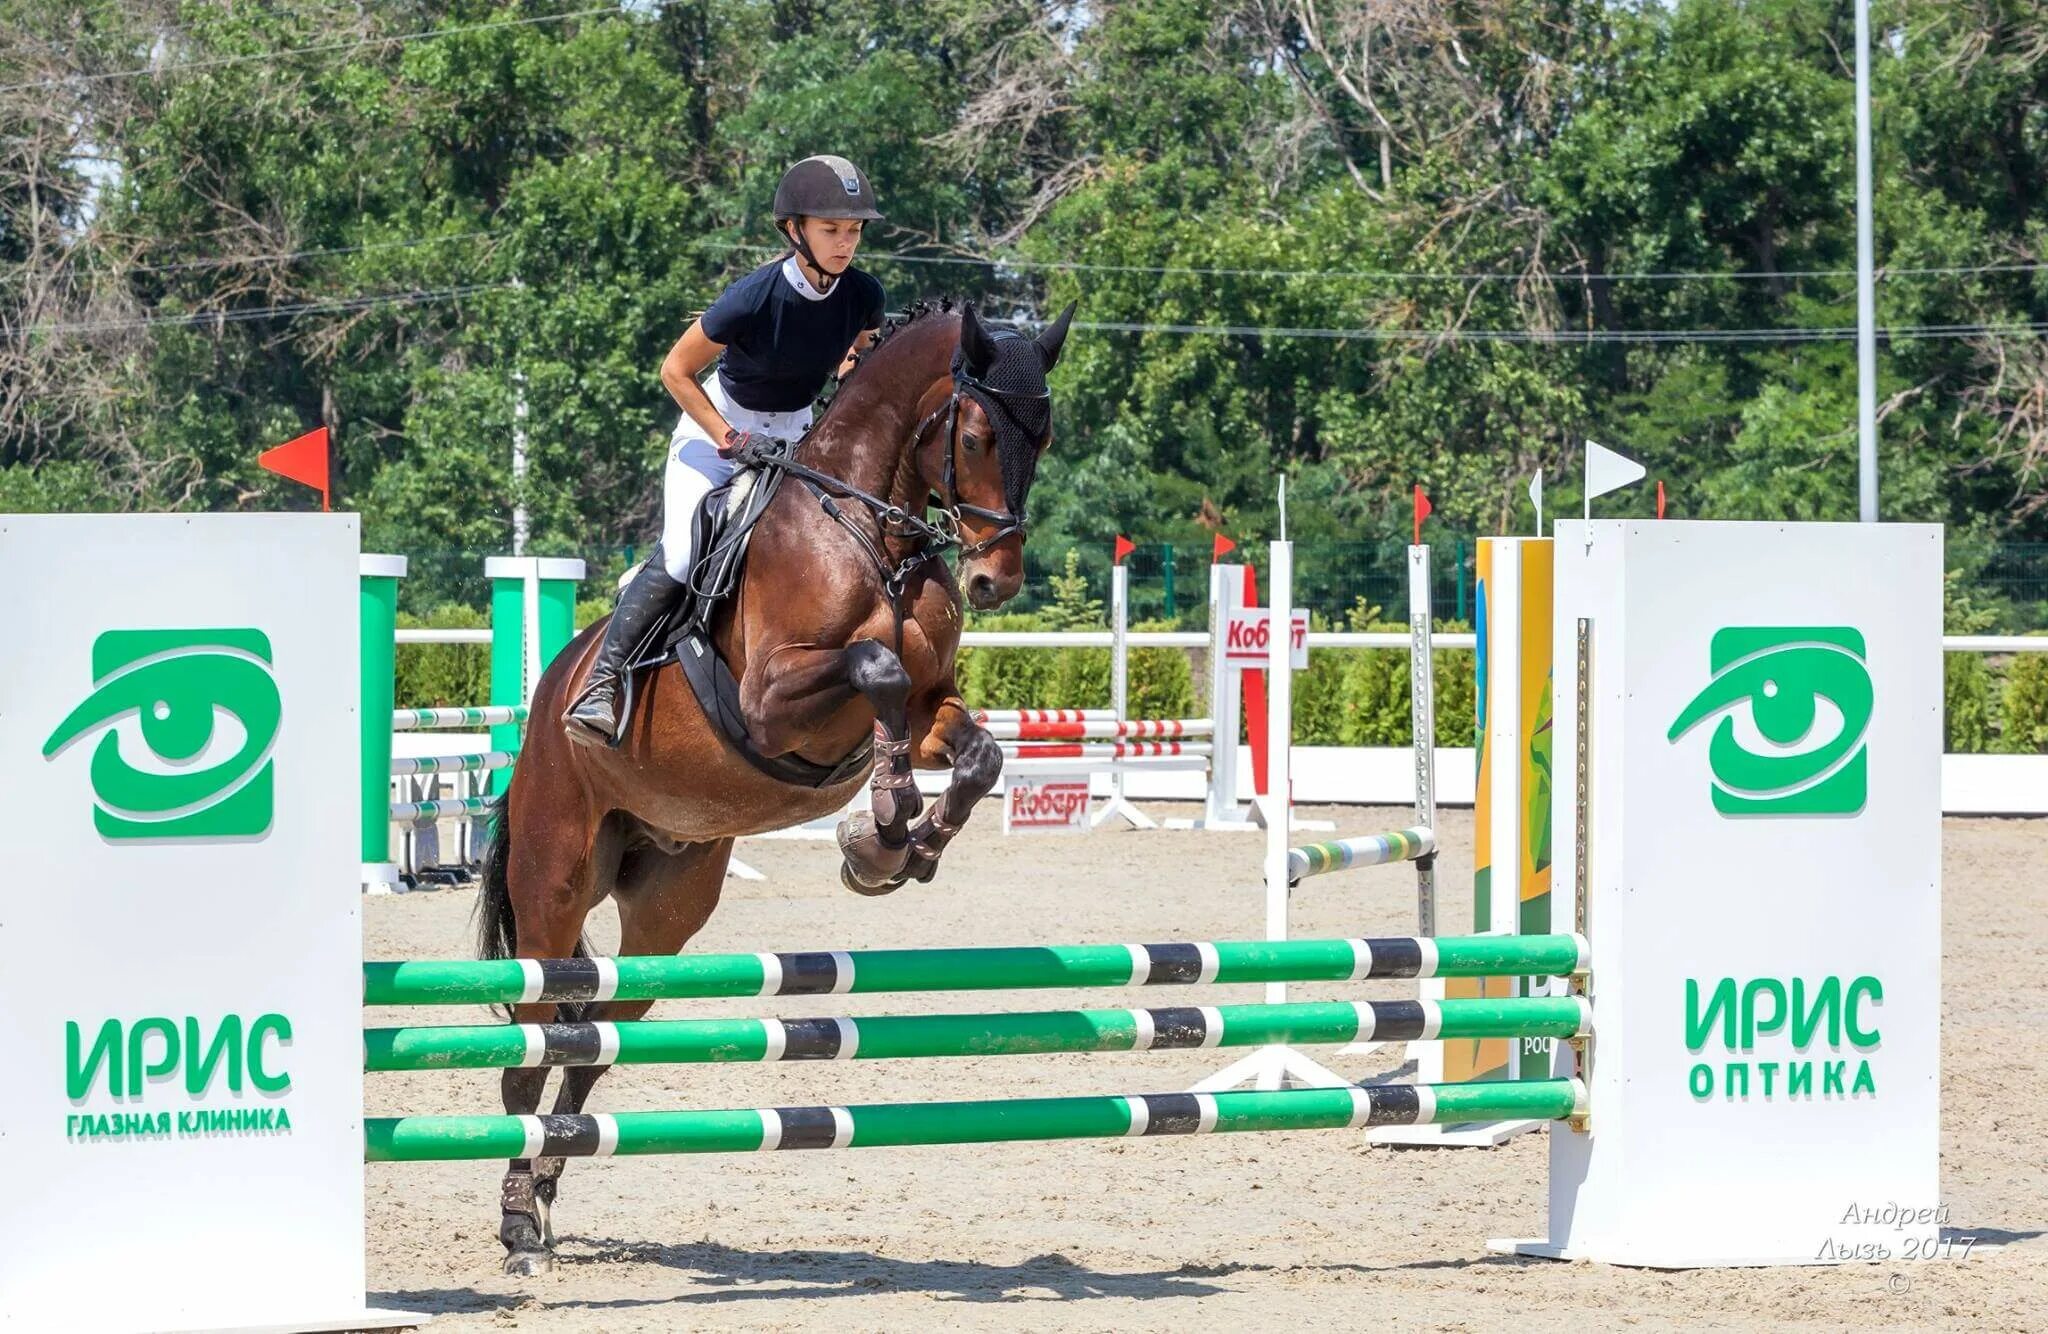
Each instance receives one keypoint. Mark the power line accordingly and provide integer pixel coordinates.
(1557, 337)
(1394, 275)
(253, 313)
(288, 256)
(1563, 337)
(998, 262)
(352, 44)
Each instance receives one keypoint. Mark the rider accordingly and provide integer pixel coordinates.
(782, 330)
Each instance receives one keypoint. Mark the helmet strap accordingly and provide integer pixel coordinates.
(803, 247)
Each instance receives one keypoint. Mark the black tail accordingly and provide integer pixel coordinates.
(497, 927)
(497, 933)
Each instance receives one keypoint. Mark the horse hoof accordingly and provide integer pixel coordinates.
(868, 859)
(529, 1264)
(852, 881)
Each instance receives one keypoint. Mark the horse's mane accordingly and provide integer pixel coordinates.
(919, 310)
(920, 314)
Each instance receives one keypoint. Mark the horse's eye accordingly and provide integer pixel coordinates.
(973, 443)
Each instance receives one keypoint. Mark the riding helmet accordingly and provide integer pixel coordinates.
(825, 186)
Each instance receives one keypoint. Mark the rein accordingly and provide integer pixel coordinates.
(894, 521)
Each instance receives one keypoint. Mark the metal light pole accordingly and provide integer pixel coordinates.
(521, 527)
(1866, 285)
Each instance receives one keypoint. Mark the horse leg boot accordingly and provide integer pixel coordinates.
(523, 1224)
(977, 765)
(876, 842)
(593, 718)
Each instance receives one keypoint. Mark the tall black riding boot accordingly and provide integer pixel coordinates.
(593, 717)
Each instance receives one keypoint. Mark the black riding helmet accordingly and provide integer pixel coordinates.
(824, 186)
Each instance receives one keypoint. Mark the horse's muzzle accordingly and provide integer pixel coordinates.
(983, 593)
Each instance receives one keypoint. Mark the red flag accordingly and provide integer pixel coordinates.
(1422, 509)
(1124, 547)
(1660, 499)
(1222, 547)
(303, 460)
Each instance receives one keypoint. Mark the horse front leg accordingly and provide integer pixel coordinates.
(876, 843)
(955, 740)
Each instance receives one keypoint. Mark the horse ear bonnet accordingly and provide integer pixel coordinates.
(1020, 423)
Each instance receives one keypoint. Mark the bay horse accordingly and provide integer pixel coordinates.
(840, 635)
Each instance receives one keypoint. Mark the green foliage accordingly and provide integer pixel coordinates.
(1016, 678)
(491, 226)
(1072, 608)
(1966, 722)
(52, 488)
(1162, 680)
(443, 675)
(2026, 705)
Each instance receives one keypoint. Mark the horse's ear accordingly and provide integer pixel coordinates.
(1055, 335)
(977, 350)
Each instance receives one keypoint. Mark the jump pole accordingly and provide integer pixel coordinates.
(1277, 1065)
(1119, 806)
(1221, 810)
(377, 579)
(1510, 885)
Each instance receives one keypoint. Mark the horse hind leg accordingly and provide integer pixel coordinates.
(546, 924)
(664, 898)
(876, 844)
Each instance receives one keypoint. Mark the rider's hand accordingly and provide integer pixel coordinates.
(746, 447)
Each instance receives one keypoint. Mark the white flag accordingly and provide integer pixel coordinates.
(1536, 499)
(1608, 471)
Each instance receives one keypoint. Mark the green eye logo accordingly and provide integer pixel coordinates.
(198, 710)
(1794, 704)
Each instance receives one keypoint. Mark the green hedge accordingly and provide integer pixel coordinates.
(1345, 698)
(1995, 705)
(1162, 682)
(2024, 728)
(444, 675)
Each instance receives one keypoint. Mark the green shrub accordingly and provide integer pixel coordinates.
(1162, 680)
(1319, 698)
(1013, 678)
(444, 675)
(1965, 704)
(2026, 705)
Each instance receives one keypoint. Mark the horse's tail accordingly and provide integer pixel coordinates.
(497, 925)
(497, 928)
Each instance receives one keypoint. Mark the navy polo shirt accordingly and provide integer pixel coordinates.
(783, 339)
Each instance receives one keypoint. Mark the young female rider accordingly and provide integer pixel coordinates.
(782, 330)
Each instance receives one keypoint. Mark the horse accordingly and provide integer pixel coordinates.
(841, 636)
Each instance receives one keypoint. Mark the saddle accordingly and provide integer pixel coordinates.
(722, 531)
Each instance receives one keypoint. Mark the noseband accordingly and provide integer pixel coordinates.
(950, 505)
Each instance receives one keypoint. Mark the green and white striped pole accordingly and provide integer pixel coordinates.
(1002, 968)
(377, 616)
(885, 1125)
(533, 616)
(896, 1037)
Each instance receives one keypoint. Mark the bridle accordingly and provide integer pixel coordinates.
(895, 521)
(950, 505)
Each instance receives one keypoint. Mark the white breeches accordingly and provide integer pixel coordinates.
(695, 467)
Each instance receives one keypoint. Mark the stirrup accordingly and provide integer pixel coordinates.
(587, 730)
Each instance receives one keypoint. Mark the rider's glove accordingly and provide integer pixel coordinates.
(747, 448)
